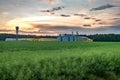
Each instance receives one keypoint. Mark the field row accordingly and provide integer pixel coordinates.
(59, 61)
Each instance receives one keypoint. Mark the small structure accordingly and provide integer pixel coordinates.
(14, 39)
(31, 39)
(72, 37)
(10, 39)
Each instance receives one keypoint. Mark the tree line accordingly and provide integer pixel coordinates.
(95, 37)
(105, 37)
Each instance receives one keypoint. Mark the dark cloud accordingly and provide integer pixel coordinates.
(3, 30)
(58, 8)
(103, 7)
(42, 26)
(53, 9)
(116, 27)
(87, 25)
(64, 15)
(87, 18)
(98, 20)
(65, 27)
(95, 19)
(115, 19)
(45, 11)
(37, 32)
(104, 29)
(53, 27)
(118, 14)
(107, 29)
(101, 23)
(81, 15)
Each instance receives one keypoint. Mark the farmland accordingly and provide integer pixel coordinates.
(34, 60)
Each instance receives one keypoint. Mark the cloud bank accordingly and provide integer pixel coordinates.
(107, 6)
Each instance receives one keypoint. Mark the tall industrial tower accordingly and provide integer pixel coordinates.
(17, 29)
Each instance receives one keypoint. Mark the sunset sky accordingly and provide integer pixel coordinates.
(52, 17)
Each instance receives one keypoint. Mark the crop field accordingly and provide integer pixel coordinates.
(40, 60)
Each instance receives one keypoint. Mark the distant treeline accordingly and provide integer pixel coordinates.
(95, 37)
(105, 37)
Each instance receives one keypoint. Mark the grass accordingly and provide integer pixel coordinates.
(33, 60)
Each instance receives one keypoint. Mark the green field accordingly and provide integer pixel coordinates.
(34, 60)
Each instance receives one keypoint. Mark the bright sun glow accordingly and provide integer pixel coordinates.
(39, 18)
(18, 22)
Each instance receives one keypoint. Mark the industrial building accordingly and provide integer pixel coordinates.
(72, 37)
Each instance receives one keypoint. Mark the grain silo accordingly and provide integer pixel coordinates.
(73, 37)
